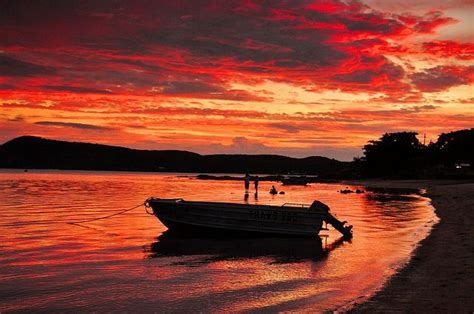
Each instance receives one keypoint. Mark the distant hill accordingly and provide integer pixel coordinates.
(31, 152)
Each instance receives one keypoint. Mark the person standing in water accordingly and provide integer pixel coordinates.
(256, 184)
(247, 182)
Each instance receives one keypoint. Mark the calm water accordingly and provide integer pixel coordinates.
(129, 262)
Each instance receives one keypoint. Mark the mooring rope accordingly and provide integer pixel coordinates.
(105, 217)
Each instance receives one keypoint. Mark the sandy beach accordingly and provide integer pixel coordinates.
(440, 275)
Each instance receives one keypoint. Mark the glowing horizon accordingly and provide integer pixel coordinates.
(310, 78)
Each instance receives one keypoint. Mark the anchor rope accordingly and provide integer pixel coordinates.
(105, 217)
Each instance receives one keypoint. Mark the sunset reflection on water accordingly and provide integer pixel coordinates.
(128, 262)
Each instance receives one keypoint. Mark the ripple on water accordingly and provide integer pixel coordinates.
(129, 262)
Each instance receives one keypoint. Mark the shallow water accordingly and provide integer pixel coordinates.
(129, 263)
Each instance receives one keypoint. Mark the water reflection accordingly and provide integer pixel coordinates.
(212, 248)
(47, 264)
(394, 191)
(382, 198)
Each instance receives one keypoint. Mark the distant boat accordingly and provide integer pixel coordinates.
(298, 180)
(294, 181)
(288, 219)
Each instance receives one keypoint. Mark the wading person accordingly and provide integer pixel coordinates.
(247, 182)
(256, 184)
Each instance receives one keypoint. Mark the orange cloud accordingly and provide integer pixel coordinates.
(231, 76)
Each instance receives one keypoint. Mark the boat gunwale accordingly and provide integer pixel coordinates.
(304, 208)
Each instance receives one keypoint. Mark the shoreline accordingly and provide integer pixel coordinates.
(439, 276)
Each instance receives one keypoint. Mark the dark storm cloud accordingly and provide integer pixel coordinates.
(13, 67)
(6, 87)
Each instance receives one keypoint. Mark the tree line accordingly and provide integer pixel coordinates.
(401, 154)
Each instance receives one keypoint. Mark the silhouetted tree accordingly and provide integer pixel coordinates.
(394, 154)
(456, 147)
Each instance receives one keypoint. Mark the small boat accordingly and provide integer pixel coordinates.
(288, 219)
(299, 180)
(302, 180)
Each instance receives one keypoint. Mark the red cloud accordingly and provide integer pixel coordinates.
(329, 7)
(132, 48)
(126, 62)
(431, 21)
(450, 48)
(442, 77)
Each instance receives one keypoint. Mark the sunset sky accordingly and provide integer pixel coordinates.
(297, 78)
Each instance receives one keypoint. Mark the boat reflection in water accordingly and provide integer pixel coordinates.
(218, 247)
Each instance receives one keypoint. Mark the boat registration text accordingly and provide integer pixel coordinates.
(284, 216)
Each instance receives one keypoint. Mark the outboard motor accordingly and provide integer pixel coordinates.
(319, 206)
(330, 219)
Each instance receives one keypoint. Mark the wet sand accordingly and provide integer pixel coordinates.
(440, 276)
